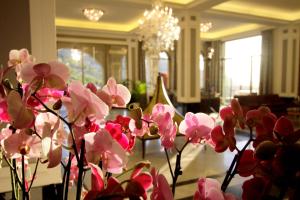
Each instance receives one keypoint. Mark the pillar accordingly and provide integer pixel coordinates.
(188, 51)
(286, 61)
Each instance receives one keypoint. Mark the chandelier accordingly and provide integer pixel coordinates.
(93, 14)
(205, 27)
(158, 29)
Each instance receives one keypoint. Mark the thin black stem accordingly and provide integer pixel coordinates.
(66, 178)
(185, 144)
(9, 163)
(13, 184)
(25, 193)
(177, 172)
(80, 172)
(170, 167)
(229, 172)
(19, 183)
(34, 173)
(64, 120)
(235, 163)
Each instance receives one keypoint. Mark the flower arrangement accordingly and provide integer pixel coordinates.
(36, 128)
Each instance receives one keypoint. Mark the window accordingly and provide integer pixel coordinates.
(94, 62)
(202, 76)
(242, 66)
(82, 66)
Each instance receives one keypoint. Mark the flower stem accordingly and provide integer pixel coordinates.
(25, 193)
(13, 184)
(80, 172)
(66, 177)
(235, 163)
(34, 173)
(177, 171)
(170, 167)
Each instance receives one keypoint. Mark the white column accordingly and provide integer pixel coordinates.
(132, 60)
(42, 29)
(188, 51)
(286, 61)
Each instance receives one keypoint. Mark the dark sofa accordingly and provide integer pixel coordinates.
(277, 104)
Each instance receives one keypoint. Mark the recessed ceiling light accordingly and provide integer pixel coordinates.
(93, 14)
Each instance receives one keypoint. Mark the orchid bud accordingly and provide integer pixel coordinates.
(265, 150)
(135, 113)
(7, 84)
(139, 124)
(153, 130)
(57, 105)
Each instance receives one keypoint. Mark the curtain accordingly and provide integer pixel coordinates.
(141, 62)
(265, 86)
(213, 67)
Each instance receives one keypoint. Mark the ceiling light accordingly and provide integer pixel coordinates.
(205, 27)
(93, 14)
(158, 29)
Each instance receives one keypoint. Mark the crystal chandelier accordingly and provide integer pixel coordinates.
(158, 29)
(93, 14)
(205, 27)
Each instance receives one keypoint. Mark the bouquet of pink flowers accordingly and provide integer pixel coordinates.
(31, 105)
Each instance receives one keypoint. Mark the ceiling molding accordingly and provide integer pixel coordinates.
(246, 18)
(234, 31)
(62, 22)
(244, 8)
(204, 4)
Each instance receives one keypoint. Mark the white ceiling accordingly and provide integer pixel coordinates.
(229, 17)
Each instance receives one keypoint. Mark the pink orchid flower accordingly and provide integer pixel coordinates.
(50, 128)
(4, 117)
(83, 104)
(102, 146)
(196, 127)
(159, 111)
(5, 133)
(49, 75)
(221, 141)
(247, 164)
(167, 131)
(210, 189)
(162, 115)
(114, 94)
(284, 127)
(19, 114)
(44, 94)
(18, 58)
(137, 186)
(115, 130)
(22, 143)
(161, 188)
(263, 120)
